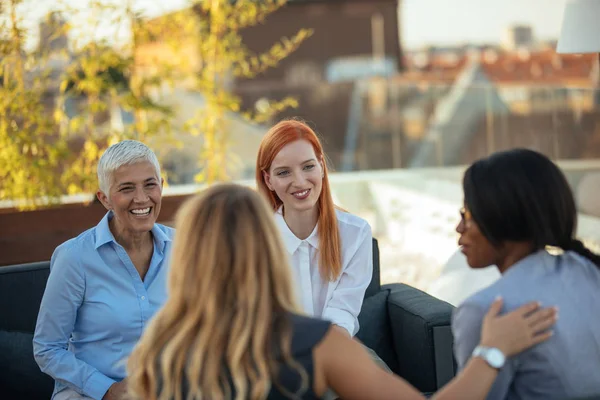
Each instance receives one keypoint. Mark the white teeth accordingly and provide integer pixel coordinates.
(301, 194)
(141, 211)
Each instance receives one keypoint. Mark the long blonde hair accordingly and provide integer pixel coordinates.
(226, 322)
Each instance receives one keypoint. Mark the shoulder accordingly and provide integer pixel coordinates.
(67, 257)
(572, 261)
(351, 223)
(355, 233)
(304, 323)
(167, 230)
(521, 283)
(470, 313)
(73, 247)
(307, 331)
(467, 319)
(483, 298)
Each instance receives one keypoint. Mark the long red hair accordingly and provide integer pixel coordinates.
(285, 132)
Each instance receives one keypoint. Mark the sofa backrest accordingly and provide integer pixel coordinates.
(375, 285)
(24, 285)
(21, 290)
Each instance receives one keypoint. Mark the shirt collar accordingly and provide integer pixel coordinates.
(540, 257)
(290, 240)
(104, 235)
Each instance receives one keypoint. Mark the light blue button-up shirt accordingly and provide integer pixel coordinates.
(95, 308)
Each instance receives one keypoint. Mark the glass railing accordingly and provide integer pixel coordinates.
(413, 214)
(424, 125)
(392, 123)
(401, 147)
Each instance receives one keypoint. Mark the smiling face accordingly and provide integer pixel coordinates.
(475, 246)
(296, 176)
(134, 197)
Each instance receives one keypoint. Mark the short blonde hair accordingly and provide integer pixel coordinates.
(126, 152)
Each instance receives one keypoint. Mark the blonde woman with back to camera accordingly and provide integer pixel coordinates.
(231, 328)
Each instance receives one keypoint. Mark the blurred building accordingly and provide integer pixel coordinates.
(450, 108)
(517, 36)
(527, 81)
(352, 40)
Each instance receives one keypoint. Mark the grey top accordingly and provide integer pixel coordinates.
(567, 365)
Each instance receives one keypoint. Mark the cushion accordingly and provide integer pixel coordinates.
(375, 330)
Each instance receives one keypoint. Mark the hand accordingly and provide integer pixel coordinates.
(518, 330)
(117, 391)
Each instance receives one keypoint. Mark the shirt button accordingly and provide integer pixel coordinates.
(143, 297)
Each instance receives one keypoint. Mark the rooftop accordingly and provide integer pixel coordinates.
(540, 68)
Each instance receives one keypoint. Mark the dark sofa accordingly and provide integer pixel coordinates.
(408, 329)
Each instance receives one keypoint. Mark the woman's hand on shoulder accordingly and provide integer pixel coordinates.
(517, 330)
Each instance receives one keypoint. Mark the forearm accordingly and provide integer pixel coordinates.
(474, 382)
(62, 365)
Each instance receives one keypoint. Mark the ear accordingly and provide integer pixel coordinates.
(322, 167)
(104, 200)
(267, 179)
(162, 183)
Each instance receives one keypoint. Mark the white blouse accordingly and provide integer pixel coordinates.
(339, 301)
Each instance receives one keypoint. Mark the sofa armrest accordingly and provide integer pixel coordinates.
(420, 325)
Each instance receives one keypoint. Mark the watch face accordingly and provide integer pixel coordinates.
(495, 358)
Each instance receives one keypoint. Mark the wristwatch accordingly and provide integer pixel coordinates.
(494, 357)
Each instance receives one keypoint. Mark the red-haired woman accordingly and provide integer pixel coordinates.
(330, 250)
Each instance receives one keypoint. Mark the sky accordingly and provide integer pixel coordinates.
(460, 21)
(438, 22)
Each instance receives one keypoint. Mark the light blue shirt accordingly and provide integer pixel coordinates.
(564, 367)
(95, 308)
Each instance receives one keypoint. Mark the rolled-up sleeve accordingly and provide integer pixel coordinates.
(347, 298)
(56, 319)
(466, 328)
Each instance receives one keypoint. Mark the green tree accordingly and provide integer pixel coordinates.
(30, 150)
(102, 80)
(224, 56)
(53, 129)
(45, 151)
